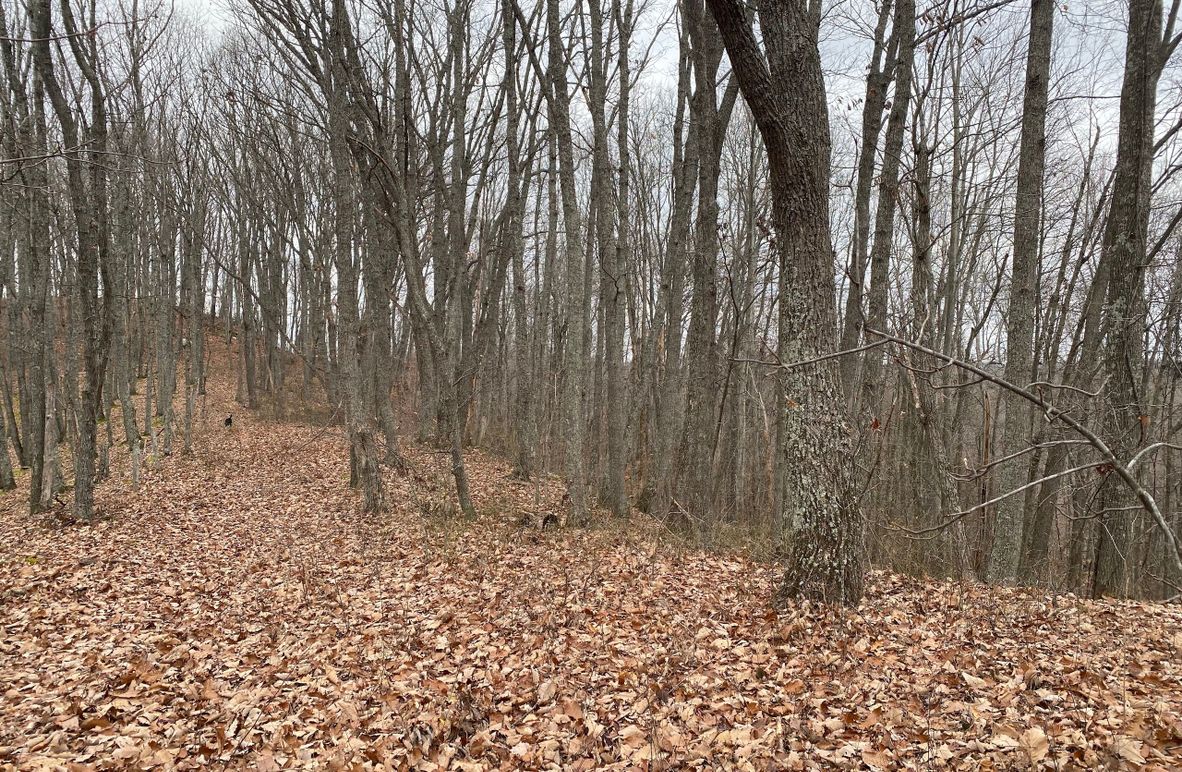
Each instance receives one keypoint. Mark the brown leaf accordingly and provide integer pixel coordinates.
(1034, 742)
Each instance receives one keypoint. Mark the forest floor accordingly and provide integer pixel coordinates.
(237, 611)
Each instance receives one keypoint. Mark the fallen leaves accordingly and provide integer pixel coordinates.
(237, 612)
(1128, 749)
(973, 681)
(1034, 741)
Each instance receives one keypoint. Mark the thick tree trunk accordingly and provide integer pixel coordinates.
(365, 469)
(786, 93)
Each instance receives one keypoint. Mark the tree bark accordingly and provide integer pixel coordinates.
(786, 93)
(573, 426)
(1004, 555)
(1125, 418)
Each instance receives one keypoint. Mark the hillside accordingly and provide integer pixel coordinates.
(236, 612)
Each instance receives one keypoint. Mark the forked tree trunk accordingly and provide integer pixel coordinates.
(903, 40)
(877, 80)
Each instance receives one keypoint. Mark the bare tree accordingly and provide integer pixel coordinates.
(1008, 529)
(783, 84)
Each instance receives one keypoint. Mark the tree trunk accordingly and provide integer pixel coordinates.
(88, 202)
(879, 77)
(1005, 552)
(786, 93)
(903, 37)
(573, 425)
(1124, 417)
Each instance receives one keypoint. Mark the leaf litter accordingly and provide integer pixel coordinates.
(238, 612)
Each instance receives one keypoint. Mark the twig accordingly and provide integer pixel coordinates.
(1035, 446)
(1154, 446)
(1085, 392)
(966, 512)
(814, 360)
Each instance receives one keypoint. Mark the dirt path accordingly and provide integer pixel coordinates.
(236, 612)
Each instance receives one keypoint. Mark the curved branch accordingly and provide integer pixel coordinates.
(1052, 413)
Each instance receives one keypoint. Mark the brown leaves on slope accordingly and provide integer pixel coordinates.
(236, 612)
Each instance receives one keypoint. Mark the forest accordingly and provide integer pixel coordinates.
(582, 384)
